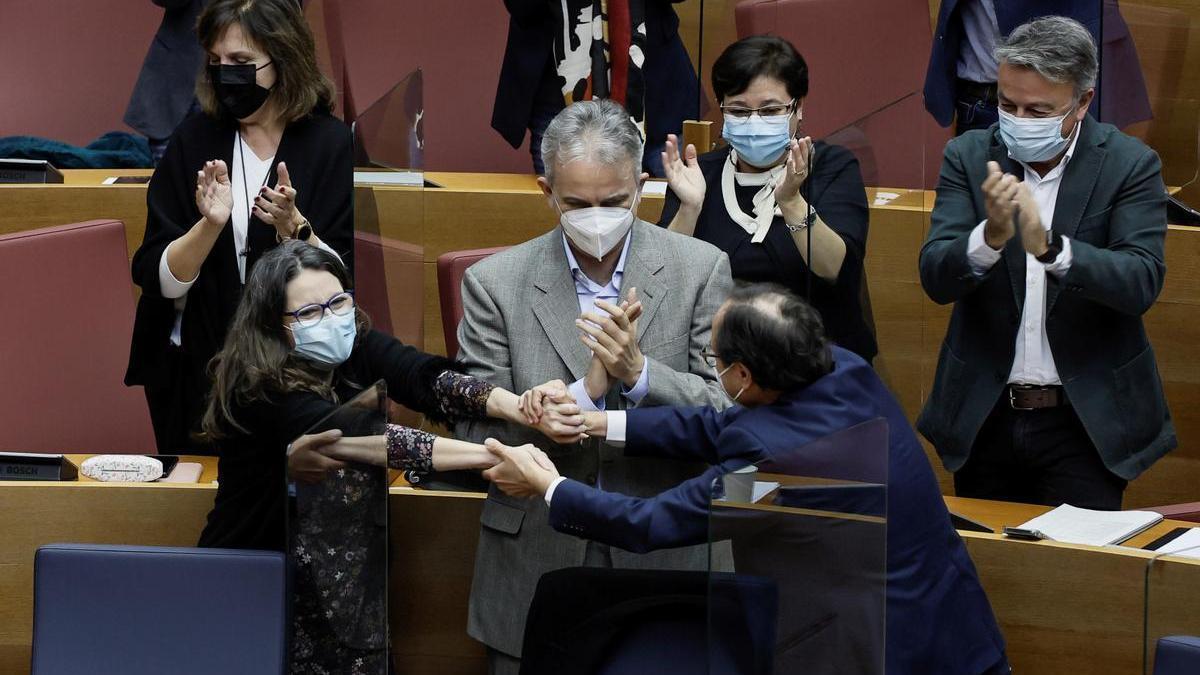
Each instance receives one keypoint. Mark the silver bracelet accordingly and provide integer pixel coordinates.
(808, 222)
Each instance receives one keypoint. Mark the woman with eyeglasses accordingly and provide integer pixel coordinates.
(764, 196)
(297, 347)
(264, 161)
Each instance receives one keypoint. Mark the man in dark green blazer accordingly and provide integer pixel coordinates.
(1047, 235)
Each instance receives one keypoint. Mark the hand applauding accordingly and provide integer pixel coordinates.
(612, 337)
(796, 170)
(683, 173)
(277, 207)
(214, 193)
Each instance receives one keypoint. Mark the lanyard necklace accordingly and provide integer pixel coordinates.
(246, 191)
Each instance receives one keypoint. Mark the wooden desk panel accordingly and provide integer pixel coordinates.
(1063, 608)
(482, 210)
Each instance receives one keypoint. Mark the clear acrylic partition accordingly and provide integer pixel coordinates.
(1172, 590)
(389, 212)
(808, 534)
(1147, 86)
(338, 545)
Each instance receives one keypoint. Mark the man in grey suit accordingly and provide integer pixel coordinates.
(618, 307)
(1047, 235)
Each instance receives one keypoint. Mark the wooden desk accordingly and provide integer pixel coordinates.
(473, 210)
(1063, 608)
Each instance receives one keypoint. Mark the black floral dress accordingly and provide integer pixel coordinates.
(335, 532)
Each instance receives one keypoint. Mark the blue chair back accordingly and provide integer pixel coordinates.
(1177, 655)
(140, 610)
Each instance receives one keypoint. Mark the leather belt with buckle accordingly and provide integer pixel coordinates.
(1030, 397)
(985, 91)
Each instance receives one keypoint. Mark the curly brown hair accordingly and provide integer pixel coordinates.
(279, 29)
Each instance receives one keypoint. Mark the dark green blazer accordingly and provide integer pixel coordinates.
(1112, 206)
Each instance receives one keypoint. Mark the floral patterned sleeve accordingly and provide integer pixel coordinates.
(461, 396)
(409, 448)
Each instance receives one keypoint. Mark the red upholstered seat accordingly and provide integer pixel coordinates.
(866, 61)
(67, 309)
(451, 267)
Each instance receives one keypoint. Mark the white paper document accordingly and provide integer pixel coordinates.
(410, 178)
(1085, 526)
(1186, 545)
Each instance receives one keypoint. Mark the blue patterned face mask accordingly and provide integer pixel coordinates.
(328, 342)
(1034, 139)
(758, 141)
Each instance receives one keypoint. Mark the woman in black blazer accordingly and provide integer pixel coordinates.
(753, 198)
(263, 163)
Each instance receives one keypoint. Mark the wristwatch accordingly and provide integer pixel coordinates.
(303, 232)
(808, 222)
(1053, 248)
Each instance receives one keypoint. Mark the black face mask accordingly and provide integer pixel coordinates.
(237, 91)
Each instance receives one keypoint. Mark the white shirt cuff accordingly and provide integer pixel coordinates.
(616, 421)
(1061, 264)
(641, 387)
(550, 490)
(168, 284)
(586, 404)
(981, 256)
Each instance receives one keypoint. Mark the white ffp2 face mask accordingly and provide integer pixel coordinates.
(596, 230)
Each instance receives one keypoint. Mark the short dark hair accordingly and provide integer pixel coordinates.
(758, 55)
(776, 335)
(278, 28)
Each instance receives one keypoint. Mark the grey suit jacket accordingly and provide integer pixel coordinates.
(1112, 205)
(518, 331)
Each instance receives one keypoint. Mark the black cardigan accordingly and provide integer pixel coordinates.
(839, 198)
(251, 502)
(318, 153)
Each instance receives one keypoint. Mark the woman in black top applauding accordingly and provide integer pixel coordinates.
(765, 196)
(264, 162)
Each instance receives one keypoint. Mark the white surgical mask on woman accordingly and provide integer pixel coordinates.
(329, 342)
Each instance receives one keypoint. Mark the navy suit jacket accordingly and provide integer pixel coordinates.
(1121, 98)
(670, 79)
(166, 85)
(938, 617)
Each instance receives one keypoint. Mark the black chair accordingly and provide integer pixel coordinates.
(596, 621)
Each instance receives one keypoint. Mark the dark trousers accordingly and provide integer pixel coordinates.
(177, 399)
(975, 107)
(1037, 457)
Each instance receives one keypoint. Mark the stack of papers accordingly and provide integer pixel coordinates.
(1097, 528)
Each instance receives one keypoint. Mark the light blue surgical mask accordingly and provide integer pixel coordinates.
(758, 141)
(1034, 139)
(329, 342)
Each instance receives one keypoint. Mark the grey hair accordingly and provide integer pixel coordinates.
(1057, 48)
(600, 130)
